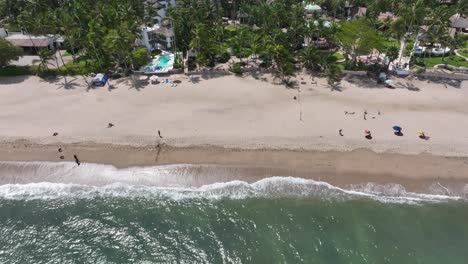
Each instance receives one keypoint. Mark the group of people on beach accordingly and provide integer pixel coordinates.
(75, 157)
(397, 130)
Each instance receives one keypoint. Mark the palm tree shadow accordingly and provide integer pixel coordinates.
(408, 86)
(13, 79)
(291, 84)
(194, 79)
(137, 84)
(111, 87)
(362, 82)
(336, 87)
(63, 82)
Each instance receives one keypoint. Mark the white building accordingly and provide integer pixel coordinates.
(32, 43)
(160, 34)
(3, 33)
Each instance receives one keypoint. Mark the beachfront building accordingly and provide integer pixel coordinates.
(459, 23)
(158, 37)
(31, 44)
(353, 11)
(160, 33)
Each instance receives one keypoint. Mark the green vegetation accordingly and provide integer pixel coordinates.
(8, 52)
(79, 66)
(104, 30)
(101, 34)
(338, 56)
(139, 57)
(464, 52)
(390, 42)
(409, 45)
(358, 37)
(236, 68)
(156, 52)
(16, 70)
(450, 60)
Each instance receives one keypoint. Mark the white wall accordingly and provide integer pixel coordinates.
(3, 33)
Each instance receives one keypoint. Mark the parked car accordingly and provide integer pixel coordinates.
(100, 79)
(419, 50)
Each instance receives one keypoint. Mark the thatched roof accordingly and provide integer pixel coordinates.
(459, 21)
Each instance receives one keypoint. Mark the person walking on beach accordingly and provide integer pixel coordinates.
(159, 133)
(365, 114)
(77, 160)
(340, 132)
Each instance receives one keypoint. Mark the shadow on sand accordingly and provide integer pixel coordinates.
(13, 79)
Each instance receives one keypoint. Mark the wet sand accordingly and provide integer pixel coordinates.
(414, 172)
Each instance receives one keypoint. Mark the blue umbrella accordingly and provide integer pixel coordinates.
(397, 128)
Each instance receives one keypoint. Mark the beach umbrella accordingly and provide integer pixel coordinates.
(366, 131)
(397, 128)
(421, 133)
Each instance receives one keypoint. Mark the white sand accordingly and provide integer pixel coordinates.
(238, 112)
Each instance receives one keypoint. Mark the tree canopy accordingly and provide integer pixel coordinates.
(8, 52)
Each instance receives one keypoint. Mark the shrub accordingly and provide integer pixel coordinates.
(236, 68)
(15, 70)
(223, 58)
(8, 52)
(140, 57)
(178, 62)
(45, 73)
(156, 52)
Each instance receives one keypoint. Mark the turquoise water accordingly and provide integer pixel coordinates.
(276, 220)
(163, 61)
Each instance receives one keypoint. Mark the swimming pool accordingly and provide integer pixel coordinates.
(163, 60)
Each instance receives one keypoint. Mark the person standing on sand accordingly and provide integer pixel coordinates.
(77, 160)
(159, 133)
(340, 132)
(365, 114)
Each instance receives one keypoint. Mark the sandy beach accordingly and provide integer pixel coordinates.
(245, 121)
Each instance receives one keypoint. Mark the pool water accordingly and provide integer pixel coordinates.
(163, 61)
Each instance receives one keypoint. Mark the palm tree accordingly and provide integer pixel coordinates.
(45, 56)
(392, 54)
(333, 75)
(311, 57)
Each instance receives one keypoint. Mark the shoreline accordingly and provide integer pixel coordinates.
(416, 173)
(249, 125)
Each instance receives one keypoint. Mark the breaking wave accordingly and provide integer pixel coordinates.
(47, 180)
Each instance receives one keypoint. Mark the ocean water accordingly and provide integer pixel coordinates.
(59, 213)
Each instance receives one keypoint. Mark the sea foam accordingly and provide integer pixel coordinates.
(48, 180)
